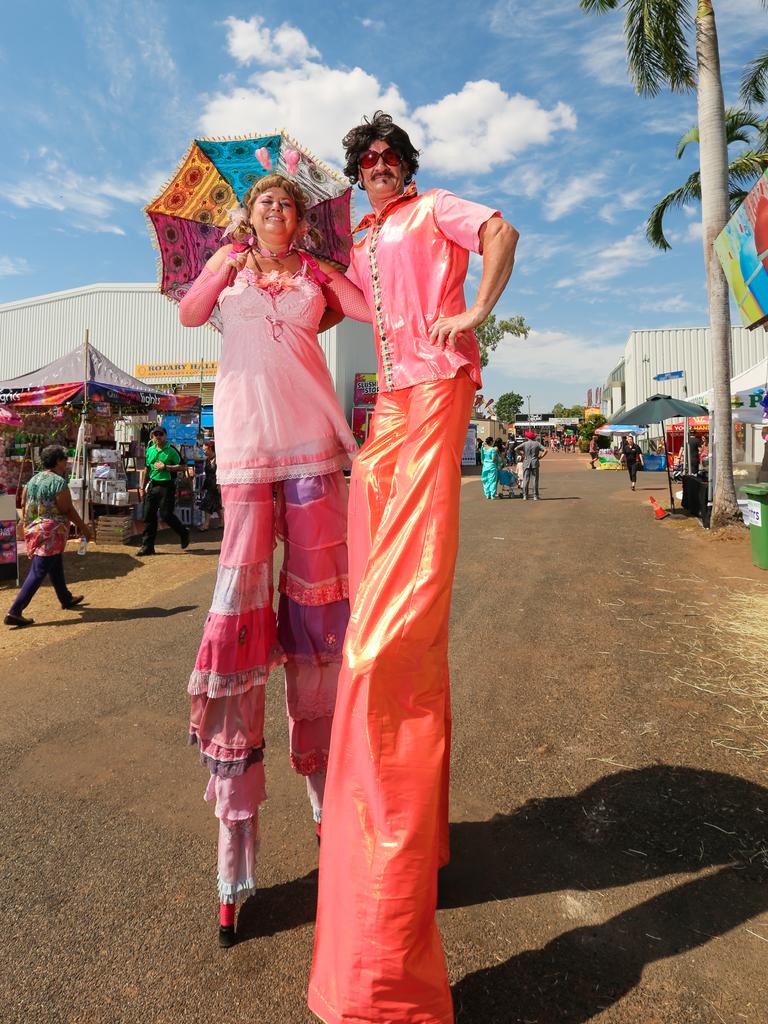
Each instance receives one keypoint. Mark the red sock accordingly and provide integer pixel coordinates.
(227, 915)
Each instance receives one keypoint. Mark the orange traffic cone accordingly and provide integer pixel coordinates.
(658, 511)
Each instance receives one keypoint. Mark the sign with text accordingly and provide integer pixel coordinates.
(671, 375)
(469, 455)
(366, 389)
(154, 371)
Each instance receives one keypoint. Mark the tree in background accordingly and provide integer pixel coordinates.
(565, 411)
(586, 430)
(508, 406)
(743, 171)
(658, 42)
(490, 333)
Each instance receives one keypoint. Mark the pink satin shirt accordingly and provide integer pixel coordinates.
(411, 266)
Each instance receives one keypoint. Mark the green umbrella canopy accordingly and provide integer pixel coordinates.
(659, 408)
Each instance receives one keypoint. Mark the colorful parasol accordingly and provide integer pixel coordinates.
(191, 214)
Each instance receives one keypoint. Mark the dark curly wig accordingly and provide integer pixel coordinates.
(380, 126)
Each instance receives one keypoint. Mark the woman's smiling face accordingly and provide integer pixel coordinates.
(273, 214)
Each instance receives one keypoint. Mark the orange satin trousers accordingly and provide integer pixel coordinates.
(378, 956)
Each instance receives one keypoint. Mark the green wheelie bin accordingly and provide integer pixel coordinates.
(758, 522)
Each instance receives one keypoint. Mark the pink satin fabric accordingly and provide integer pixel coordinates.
(411, 266)
(378, 955)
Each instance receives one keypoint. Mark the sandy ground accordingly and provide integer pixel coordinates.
(609, 806)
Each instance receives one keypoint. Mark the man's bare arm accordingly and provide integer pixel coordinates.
(498, 242)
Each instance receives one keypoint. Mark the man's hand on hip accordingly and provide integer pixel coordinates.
(446, 329)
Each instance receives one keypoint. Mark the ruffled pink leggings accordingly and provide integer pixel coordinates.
(244, 639)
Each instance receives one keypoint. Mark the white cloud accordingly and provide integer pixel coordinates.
(522, 19)
(89, 201)
(694, 232)
(318, 104)
(675, 304)
(605, 57)
(474, 129)
(635, 199)
(484, 121)
(11, 266)
(605, 264)
(253, 42)
(572, 194)
(557, 355)
(373, 23)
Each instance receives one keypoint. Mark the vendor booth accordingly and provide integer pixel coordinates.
(77, 401)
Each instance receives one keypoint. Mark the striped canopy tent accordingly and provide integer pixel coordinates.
(86, 374)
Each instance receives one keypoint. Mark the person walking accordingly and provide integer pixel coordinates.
(378, 957)
(158, 491)
(533, 451)
(490, 471)
(46, 512)
(632, 458)
(211, 493)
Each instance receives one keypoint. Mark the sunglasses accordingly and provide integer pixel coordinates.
(371, 157)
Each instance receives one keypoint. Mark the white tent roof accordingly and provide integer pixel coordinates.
(748, 388)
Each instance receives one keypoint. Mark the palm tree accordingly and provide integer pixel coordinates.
(659, 55)
(743, 170)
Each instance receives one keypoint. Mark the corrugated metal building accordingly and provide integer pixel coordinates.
(661, 351)
(137, 328)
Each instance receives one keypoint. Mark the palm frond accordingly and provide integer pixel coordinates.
(736, 197)
(754, 82)
(738, 122)
(654, 228)
(658, 53)
(747, 167)
(600, 6)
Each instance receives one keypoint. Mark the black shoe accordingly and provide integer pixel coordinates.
(145, 551)
(185, 539)
(74, 602)
(227, 936)
(17, 620)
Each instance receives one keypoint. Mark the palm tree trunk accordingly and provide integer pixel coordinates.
(714, 215)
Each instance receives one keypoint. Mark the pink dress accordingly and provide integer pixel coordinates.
(275, 408)
(281, 442)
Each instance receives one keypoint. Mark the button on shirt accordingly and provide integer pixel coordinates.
(411, 266)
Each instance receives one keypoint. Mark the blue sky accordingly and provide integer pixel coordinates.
(523, 105)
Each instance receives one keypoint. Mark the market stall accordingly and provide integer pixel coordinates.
(76, 401)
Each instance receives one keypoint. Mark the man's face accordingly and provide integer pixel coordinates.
(382, 182)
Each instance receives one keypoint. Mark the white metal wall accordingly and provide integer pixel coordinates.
(686, 348)
(134, 323)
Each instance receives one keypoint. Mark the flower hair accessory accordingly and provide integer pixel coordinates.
(238, 216)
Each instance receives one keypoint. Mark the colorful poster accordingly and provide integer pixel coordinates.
(366, 389)
(8, 549)
(742, 247)
(361, 419)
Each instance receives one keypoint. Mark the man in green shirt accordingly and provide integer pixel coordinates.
(158, 490)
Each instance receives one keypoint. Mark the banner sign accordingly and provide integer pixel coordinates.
(366, 389)
(742, 247)
(153, 371)
(672, 375)
(8, 549)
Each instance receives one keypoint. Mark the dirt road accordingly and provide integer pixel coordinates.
(610, 810)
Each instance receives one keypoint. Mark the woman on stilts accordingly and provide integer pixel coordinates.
(281, 444)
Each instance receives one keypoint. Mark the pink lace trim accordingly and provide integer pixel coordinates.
(284, 471)
(306, 764)
(307, 594)
(215, 684)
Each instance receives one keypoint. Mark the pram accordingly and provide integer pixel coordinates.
(507, 483)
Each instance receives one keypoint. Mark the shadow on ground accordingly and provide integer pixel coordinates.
(626, 828)
(117, 614)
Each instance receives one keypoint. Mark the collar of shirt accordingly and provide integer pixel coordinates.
(372, 218)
